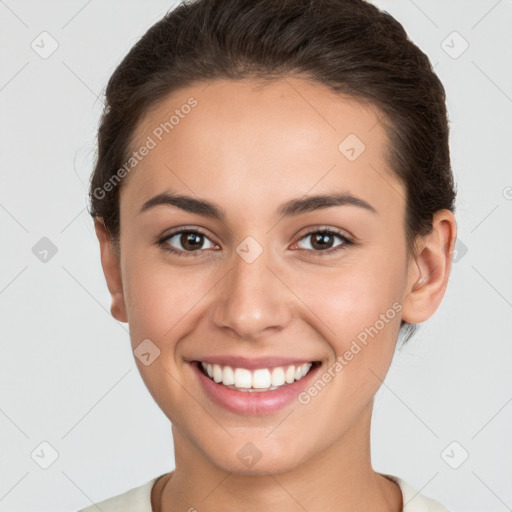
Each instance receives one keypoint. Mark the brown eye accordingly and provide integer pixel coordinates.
(191, 241)
(184, 241)
(322, 241)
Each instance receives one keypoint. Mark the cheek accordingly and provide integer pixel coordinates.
(165, 303)
(358, 312)
(159, 297)
(349, 298)
(161, 302)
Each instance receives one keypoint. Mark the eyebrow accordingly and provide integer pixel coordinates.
(288, 209)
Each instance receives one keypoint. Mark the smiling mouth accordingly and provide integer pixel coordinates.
(258, 380)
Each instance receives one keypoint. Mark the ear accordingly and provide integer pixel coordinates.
(430, 269)
(112, 270)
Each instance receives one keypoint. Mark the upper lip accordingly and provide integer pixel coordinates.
(253, 363)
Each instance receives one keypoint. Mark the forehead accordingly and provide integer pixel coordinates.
(271, 141)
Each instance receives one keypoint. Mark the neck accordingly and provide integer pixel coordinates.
(338, 479)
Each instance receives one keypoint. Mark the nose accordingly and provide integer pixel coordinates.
(253, 301)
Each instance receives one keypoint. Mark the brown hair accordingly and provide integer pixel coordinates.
(349, 45)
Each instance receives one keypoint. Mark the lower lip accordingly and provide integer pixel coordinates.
(256, 403)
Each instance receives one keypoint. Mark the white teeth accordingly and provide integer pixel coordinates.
(228, 376)
(262, 379)
(243, 378)
(277, 376)
(217, 373)
(289, 376)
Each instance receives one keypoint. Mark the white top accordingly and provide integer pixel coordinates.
(138, 499)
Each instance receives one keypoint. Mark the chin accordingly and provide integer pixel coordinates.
(274, 466)
(257, 457)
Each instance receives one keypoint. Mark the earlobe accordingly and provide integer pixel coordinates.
(430, 270)
(111, 270)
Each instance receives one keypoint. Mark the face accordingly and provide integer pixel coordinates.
(263, 277)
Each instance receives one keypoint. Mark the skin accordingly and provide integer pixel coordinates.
(249, 147)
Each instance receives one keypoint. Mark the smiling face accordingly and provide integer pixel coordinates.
(256, 284)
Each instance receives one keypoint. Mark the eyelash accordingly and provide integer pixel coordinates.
(162, 242)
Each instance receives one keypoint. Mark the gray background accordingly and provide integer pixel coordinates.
(67, 374)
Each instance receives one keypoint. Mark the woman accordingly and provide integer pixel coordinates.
(274, 204)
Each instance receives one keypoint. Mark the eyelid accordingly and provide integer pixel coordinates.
(186, 229)
(326, 227)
